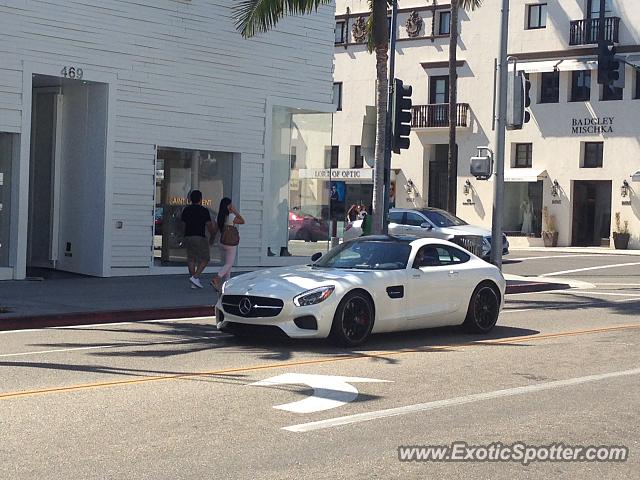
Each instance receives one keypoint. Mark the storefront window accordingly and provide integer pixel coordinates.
(299, 216)
(179, 171)
(7, 144)
(523, 208)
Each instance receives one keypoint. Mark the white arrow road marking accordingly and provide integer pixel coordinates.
(476, 397)
(329, 391)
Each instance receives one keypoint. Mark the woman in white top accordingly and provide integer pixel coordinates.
(227, 216)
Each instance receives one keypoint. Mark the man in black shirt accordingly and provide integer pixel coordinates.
(197, 219)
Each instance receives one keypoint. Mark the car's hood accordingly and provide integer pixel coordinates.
(466, 230)
(276, 282)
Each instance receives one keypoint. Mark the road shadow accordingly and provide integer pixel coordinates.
(182, 338)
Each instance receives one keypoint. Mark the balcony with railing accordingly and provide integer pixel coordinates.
(436, 115)
(585, 32)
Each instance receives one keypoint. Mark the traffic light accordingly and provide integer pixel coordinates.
(518, 99)
(608, 65)
(400, 116)
(526, 85)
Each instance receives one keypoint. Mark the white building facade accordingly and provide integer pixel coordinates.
(577, 158)
(112, 111)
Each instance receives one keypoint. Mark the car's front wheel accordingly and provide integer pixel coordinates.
(353, 320)
(484, 308)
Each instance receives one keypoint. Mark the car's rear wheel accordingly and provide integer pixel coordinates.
(484, 308)
(353, 320)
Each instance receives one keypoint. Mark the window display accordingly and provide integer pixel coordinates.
(299, 217)
(178, 171)
(523, 208)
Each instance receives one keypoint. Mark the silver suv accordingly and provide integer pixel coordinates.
(435, 223)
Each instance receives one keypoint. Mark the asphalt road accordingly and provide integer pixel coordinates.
(174, 399)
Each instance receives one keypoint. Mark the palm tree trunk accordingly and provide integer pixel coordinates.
(382, 96)
(381, 43)
(453, 110)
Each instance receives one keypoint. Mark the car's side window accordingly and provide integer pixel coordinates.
(451, 256)
(427, 256)
(414, 220)
(396, 217)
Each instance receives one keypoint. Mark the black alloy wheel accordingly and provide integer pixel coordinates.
(484, 309)
(353, 321)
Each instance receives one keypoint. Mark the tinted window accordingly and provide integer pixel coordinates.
(439, 255)
(395, 217)
(367, 255)
(440, 218)
(414, 220)
(451, 256)
(550, 89)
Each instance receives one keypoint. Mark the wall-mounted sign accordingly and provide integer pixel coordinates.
(337, 173)
(592, 125)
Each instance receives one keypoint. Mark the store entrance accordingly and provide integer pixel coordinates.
(591, 213)
(67, 176)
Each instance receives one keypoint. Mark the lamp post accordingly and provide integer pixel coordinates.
(498, 193)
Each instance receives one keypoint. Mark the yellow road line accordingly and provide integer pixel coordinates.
(369, 355)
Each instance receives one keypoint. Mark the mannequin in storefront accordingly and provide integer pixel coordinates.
(526, 210)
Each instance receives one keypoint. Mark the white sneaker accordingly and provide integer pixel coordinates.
(196, 281)
(193, 287)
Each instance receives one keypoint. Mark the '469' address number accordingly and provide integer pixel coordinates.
(72, 72)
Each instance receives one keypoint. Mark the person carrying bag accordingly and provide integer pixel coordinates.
(228, 218)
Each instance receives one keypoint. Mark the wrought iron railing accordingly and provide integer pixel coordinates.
(437, 115)
(585, 32)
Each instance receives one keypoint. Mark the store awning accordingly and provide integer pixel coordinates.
(563, 65)
(524, 175)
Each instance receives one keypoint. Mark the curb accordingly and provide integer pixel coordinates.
(530, 287)
(114, 316)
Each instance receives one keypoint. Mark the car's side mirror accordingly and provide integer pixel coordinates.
(426, 225)
(316, 256)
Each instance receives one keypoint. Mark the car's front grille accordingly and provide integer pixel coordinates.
(250, 306)
(471, 243)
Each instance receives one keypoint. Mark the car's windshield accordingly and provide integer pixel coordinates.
(440, 218)
(368, 255)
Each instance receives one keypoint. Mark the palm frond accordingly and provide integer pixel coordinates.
(257, 16)
(469, 4)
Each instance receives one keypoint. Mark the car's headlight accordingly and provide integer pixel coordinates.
(312, 297)
(223, 287)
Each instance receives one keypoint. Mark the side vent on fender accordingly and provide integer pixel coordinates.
(396, 291)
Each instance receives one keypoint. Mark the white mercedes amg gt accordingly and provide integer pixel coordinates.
(368, 285)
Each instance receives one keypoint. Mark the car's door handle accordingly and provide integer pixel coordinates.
(417, 275)
(453, 273)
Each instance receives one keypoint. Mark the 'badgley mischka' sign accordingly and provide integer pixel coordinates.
(592, 125)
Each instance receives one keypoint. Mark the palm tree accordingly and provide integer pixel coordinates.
(257, 16)
(453, 99)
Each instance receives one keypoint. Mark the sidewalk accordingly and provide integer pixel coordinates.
(79, 300)
(576, 250)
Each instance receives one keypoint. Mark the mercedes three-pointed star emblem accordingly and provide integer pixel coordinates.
(245, 306)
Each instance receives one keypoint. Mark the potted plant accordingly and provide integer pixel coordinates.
(621, 233)
(549, 232)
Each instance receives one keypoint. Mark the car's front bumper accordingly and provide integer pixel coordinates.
(313, 321)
